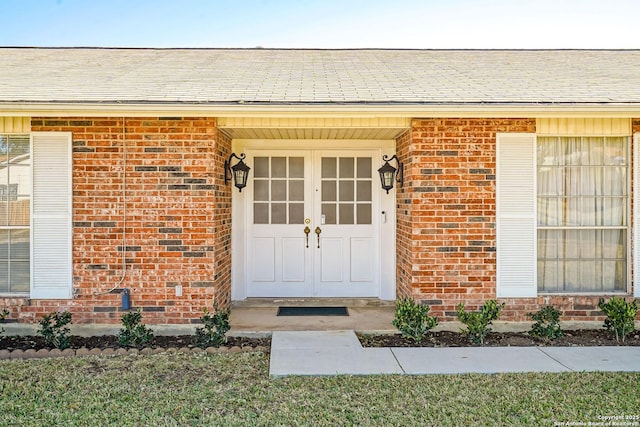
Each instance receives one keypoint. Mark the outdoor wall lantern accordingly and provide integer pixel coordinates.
(389, 174)
(239, 172)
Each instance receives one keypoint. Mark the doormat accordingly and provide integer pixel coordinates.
(312, 311)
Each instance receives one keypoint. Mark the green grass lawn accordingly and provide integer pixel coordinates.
(235, 389)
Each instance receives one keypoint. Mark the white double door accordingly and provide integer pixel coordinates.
(312, 224)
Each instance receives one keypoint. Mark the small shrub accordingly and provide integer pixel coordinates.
(216, 326)
(135, 333)
(478, 322)
(620, 316)
(412, 319)
(54, 329)
(3, 318)
(547, 323)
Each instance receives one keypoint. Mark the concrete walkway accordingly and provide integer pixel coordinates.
(340, 353)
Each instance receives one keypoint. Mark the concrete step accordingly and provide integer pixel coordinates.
(311, 302)
(257, 321)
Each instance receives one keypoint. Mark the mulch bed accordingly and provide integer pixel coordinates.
(585, 337)
(111, 342)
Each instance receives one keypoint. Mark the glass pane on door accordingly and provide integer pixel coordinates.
(346, 190)
(278, 190)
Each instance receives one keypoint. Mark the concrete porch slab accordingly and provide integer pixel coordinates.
(246, 320)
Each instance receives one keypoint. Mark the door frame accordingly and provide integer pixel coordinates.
(386, 225)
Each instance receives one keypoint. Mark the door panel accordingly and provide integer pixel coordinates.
(331, 260)
(264, 258)
(293, 262)
(361, 264)
(328, 191)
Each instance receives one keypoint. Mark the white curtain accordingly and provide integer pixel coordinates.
(582, 213)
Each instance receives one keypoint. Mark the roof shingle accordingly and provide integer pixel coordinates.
(282, 76)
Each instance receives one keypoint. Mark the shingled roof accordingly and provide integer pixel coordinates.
(297, 76)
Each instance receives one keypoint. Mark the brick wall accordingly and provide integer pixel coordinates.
(446, 219)
(178, 218)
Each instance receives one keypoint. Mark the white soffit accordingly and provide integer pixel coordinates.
(313, 128)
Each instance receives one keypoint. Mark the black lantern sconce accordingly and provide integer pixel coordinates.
(239, 172)
(389, 174)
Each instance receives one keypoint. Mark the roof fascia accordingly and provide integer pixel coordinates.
(325, 110)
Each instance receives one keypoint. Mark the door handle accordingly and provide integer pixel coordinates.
(307, 230)
(318, 231)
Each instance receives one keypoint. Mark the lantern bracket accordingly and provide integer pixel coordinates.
(238, 172)
(389, 174)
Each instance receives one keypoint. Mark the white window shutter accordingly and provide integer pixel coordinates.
(516, 215)
(51, 227)
(636, 215)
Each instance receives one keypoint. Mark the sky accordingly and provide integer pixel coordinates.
(410, 24)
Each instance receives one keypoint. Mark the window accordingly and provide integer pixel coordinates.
(35, 215)
(15, 218)
(563, 214)
(582, 214)
(346, 190)
(278, 190)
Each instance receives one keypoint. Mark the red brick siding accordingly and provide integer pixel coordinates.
(446, 219)
(222, 224)
(178, 218)
(404, 212)
(178, 227)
